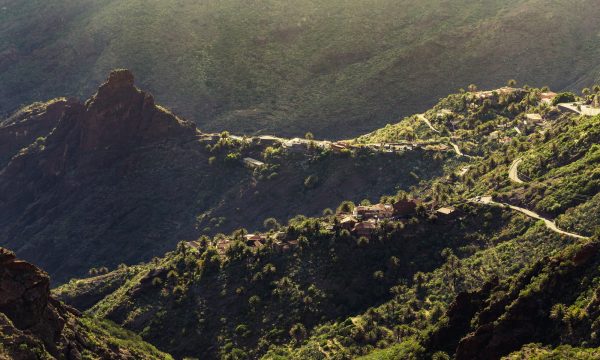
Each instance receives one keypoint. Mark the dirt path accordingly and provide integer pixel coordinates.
(457, 149)
(422, 117)
(487, 200)
(513, 172)
(454, 146)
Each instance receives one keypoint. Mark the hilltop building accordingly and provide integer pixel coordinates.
(379, 211)
(253, 163)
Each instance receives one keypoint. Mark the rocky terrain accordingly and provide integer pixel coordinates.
(33, 325)
(484, 244)
(120, 179)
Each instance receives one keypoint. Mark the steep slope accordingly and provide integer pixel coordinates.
(430, 284)
(33, 325)
(247, 298)
(28, 124)
(338, 68)
(560, 165)
(121, 179)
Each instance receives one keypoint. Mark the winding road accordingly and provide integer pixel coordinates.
(487, 200)
(454, 146)
(513, 172)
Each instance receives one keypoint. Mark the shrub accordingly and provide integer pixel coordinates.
(271, 224)
(564, 98)
(298, 332)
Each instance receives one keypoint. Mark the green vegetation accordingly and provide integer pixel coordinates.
(336, 68)
(400, 292)
(437, 282)
(102, 333)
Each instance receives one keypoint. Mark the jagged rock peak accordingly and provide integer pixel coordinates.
(119, 83)
(120, 77)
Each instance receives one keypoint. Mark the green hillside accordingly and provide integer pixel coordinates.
(111, 186)
(336, 68)
(485, 281)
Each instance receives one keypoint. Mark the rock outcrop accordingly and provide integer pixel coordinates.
(28, 124)
(120, 180)
(99, 141)
(33, 325)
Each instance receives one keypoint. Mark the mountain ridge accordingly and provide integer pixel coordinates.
(287, 68)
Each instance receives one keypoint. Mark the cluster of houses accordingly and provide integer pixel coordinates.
(492, 94)
(256, 240)
(364, 219)
(301, 145)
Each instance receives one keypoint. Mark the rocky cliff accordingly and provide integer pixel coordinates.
(28, 124)
(34, 325)
(119, 179)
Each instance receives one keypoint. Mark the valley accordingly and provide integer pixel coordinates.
(299, 180)
(403, 261)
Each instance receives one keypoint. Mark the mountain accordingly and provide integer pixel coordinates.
(37, 326)
(119, 179)
(495, 258)
(336, 68)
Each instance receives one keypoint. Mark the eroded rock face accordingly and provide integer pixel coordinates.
(26, 305)
(24, 290)
(120, 115)
(33, 325)
(508, 322)
(28, 124)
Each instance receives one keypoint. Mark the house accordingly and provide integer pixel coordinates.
(445, 211)
(365, 228)
(547, 97)
(444, 112)
(193, 244)
(253, 163)
(502, 91)
(339, 146)
(494, 135)
(290, 244)
(404, 208)
(222, 245)
(533, 118)
(379, 211)
(295, 145)
(255, 240)
(269, 140)
(347, 222)
(579, 108)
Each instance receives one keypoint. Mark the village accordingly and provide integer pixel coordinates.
(362, 221)
(588, 107)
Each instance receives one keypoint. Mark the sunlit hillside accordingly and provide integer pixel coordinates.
(336, 68)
